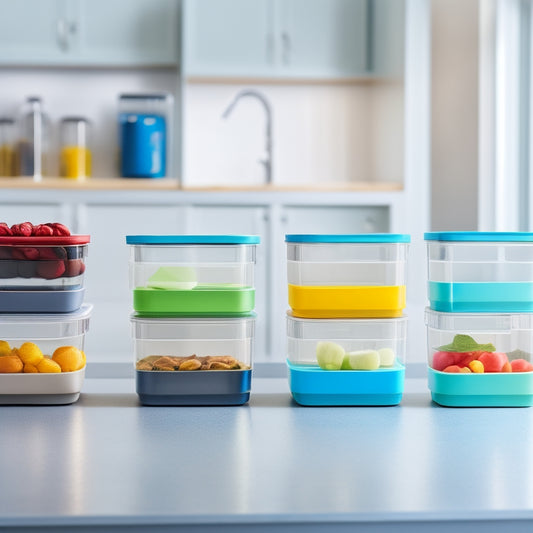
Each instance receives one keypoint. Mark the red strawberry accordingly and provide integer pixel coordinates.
(74, 267)
(5, 229)
(42, 230)
(59, 229)
(51, 253)
(22, 230)
(30, 253)
(18, 253)
(5, 252)
(50, 269)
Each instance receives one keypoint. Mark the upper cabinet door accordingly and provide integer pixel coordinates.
(228, 37)
(323, 38)
(128, 32)
(33, 32)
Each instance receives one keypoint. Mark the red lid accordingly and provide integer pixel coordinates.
(16, 240)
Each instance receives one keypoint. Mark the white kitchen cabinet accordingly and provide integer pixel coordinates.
(107, 270)
(275, 38)
(89, 32)
(236, 220)
(36, 213)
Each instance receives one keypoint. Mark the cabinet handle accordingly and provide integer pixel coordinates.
(286, 47)
(63, 30)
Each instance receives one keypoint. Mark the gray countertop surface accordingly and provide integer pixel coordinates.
(107, 463)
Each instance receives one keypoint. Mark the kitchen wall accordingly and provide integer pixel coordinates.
(87, 92)
(454, 114)
(320, 133)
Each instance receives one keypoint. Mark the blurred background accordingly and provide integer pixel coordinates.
(269, 117)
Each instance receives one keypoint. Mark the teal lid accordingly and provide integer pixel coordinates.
(355, 238)
(479, 236)
(192, 239)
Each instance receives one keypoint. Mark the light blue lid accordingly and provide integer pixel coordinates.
(192, 239)
(358, 237)
(479, 236)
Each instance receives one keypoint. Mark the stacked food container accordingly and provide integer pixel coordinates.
(43, 320)
(193, 321)
(480, 319)
(346, 329)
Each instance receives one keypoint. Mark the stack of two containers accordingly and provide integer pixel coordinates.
(480, 320)
(43, 319)
(193, 321)
(346, 329)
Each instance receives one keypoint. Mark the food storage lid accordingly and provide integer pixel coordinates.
(45, 326)
(478, 322)
(354, 238)
(479, 236)
(16, 240)
(192, 239)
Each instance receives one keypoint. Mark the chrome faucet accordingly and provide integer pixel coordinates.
(267, 163)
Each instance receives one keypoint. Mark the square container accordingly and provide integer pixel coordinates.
(192, 274)
(49, 332)
(347, 276)
(312, 385)
(42, 274)
(162, 344)
(478, 272)
(493, 340)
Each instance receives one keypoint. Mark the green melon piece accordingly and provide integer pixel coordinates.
(329, 355)
(361, 360)
(173, 277)
(386, 357)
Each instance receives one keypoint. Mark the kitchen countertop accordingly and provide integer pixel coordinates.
(107, 463)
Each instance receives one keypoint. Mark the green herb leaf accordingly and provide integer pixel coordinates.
(465, 343)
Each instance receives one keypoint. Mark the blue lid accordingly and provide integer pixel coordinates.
(360, 237)
(192, 239)
(479, 236)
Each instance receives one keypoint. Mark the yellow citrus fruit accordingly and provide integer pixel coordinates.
(10, 364)
(5, 349)
(30, 353)
(69, 358)
(47, 366)
(30, 369)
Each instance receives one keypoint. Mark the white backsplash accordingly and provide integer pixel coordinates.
(320, 133)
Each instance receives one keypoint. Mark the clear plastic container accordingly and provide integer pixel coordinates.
(347, 276)
(193, 361)
(192, 274)
(7, 146)
(486, 272)
(346, 361)
(49, 332)
(75, 158)
(42, 274)
(145, 136)
(33, 142)
(478, 360)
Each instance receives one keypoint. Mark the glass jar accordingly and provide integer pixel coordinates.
(32, 145)
(7, 146)
(75, 157)
(145, 135)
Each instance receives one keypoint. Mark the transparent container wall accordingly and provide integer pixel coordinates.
(511, 334)
(75, 156)
(47, 331)
(145, 135)
(348, 264)
(195, 264)
(34, 132)
(480, 262)
(303, 336)
(42, 267)
(199, 337)
(7, 146)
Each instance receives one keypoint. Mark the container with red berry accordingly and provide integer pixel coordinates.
(41, 268)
